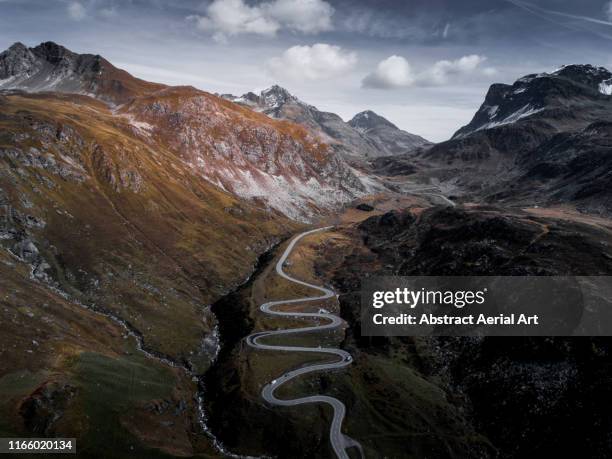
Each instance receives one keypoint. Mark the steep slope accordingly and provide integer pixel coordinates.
(567, 99)
(556, 385)
(354, 142)
(97, 216)
(572, 167)
(278, 164)
(544, 140)
(247, 153)
(388, 138)
(110, 217)
(51, 67)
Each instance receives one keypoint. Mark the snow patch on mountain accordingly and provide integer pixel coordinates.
(529, 78)
(524, 112)
(492, 111)
(605, 87)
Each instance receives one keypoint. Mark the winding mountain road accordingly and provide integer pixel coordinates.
(339, 441)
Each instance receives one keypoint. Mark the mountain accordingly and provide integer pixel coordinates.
(140, 225)
(247, 154)
(87, 199)
(51, 67)
(276, 163)
(354, 142)
(110, 242)
(539, 374)
(126, 209)
(386, 135)
(565, 99)
(544, 140)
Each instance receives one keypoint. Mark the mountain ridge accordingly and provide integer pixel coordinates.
(353, 141)
(538, 94)
(52, 67)
(386, 135)
(244, 153)
(543, 140)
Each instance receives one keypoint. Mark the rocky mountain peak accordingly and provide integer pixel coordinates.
(269, 100)
(385, 136)
(16, 47)
(275, 96)
(53, 53)
(540, 95)
(251, 97)
(588, 75)
(52, 67)
(16, 60)
(368, 120)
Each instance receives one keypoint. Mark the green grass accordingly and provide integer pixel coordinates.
(111, 388)
(13, 386)
(398, 412)
(108, 389)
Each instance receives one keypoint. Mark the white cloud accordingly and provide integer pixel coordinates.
(232, 17)
(316, 62)
(396, 72)
(76, 11)
(226, 18)
(608, 10)
(393, 72)
(306, 16)
(441, 71)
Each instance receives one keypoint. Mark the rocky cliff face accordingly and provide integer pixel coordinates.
(248, 154)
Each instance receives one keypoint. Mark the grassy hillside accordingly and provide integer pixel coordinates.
(97, 216)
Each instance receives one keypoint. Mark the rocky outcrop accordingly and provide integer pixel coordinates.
(42, 409)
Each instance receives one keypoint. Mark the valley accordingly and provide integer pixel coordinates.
(181, 270)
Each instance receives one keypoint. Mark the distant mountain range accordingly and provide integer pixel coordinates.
(366, 136)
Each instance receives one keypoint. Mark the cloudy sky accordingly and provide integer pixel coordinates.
(423, 64)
